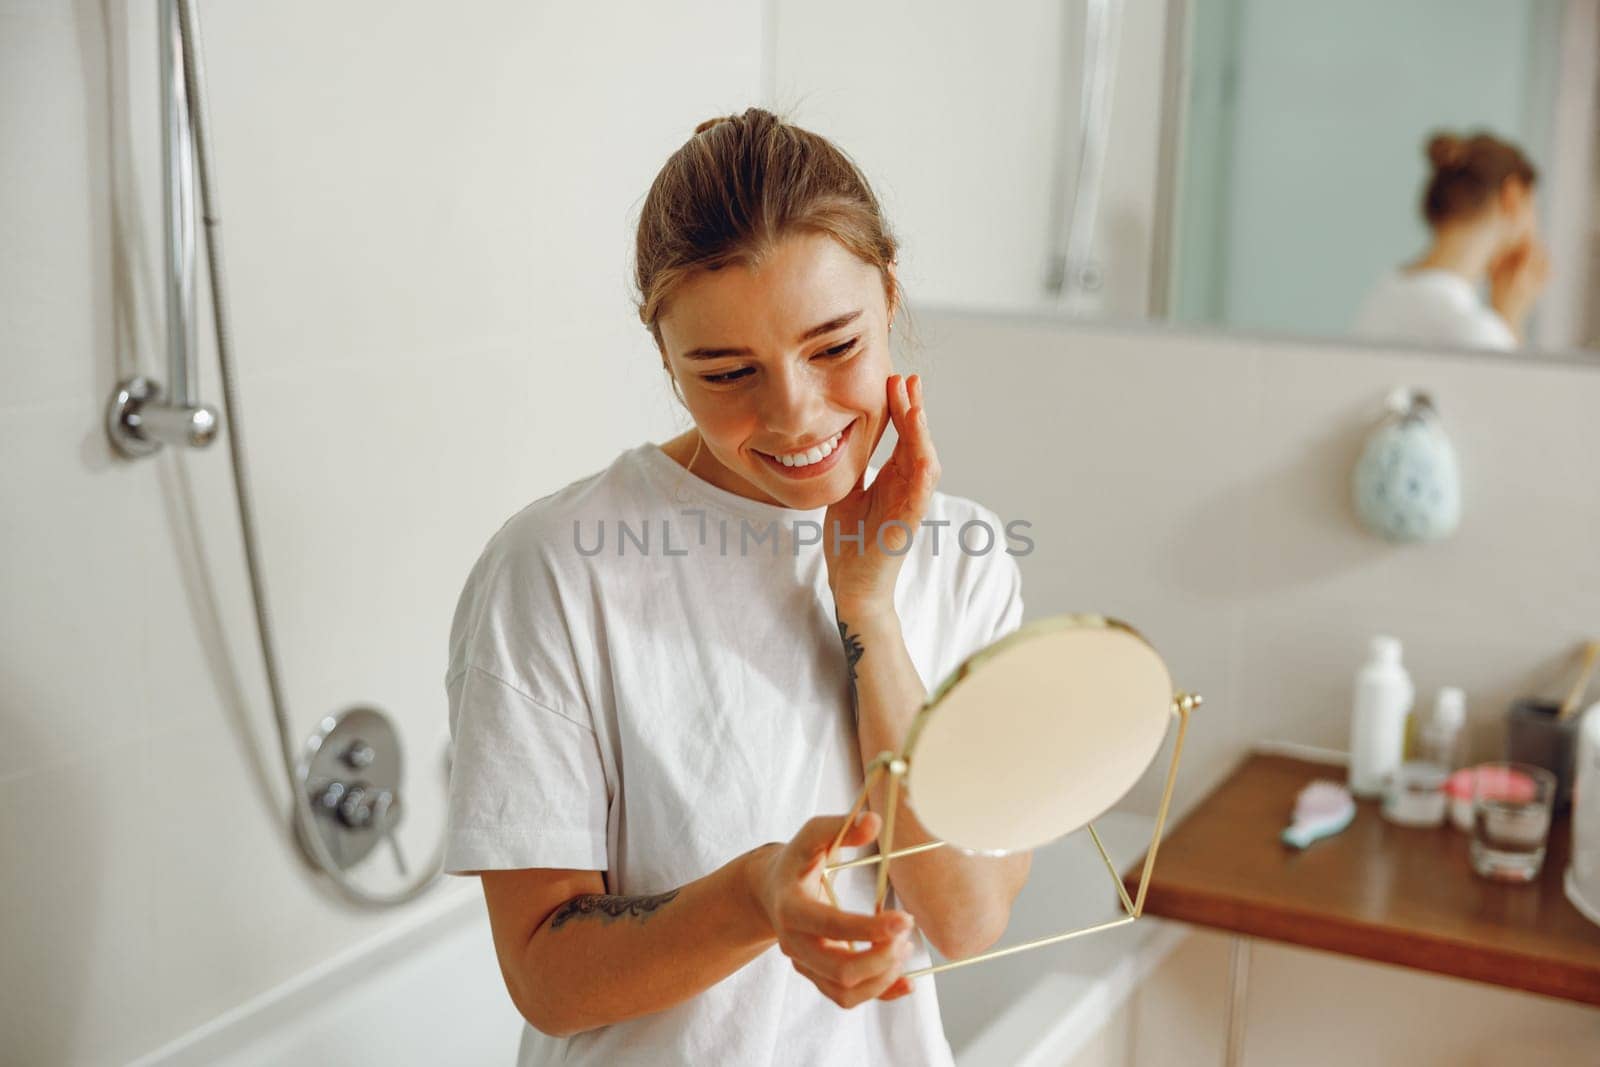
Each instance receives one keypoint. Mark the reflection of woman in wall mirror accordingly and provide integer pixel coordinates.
(1479, 204)
(653, 755)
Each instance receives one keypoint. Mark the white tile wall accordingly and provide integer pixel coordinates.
(427, 217)
(1198, 487)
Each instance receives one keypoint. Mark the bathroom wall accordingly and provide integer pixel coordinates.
(426, 214)
(1197, 487)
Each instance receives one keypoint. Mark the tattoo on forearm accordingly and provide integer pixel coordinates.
(852, 656)
(609, 907)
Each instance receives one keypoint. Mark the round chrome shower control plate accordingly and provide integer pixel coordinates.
(350, 770)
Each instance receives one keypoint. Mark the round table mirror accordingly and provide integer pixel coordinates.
(1037, 734)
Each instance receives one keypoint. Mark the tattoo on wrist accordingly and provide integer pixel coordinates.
(609, 907)
(852, 656)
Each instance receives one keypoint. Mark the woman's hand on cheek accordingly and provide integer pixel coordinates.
(1516, 278)
(886, 514)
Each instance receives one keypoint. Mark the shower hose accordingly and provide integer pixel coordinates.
(303, 818)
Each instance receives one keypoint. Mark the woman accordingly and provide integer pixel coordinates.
(1479, 205)
(663, 677)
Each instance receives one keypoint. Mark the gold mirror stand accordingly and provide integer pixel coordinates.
(896, 766)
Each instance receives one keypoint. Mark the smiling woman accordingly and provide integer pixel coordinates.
(770, 409)
(646, 749)
(766, 273)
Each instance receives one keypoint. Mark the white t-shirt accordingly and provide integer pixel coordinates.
(1431, 307)
(655, 712)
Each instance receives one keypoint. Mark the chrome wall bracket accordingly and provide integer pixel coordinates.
(139, 423)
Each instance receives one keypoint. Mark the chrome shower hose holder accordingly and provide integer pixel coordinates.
(139, 422)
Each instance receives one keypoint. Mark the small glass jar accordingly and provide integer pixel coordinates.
(1414, 795)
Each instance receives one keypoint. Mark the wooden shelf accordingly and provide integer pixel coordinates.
(1378, 891)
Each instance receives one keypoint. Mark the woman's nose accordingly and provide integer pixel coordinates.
(791, 403)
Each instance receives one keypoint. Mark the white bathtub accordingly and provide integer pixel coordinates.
(425, 992)
(428, 991)
(1039, 1007)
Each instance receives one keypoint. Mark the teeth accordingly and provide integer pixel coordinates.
(819, 452)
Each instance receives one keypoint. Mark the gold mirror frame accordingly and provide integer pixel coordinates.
(897, 765)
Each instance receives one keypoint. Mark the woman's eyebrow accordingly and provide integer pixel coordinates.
(816, 331)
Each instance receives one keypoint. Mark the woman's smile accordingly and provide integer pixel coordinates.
(812, 462)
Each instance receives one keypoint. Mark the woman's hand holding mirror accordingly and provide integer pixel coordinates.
(816, 936)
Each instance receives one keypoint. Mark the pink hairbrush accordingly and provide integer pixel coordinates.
(1322, 809)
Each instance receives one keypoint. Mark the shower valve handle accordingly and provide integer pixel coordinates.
(355, 809)
(350, 802)
(360, 806)
(383, 808)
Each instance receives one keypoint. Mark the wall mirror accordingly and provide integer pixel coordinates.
(1242, 165)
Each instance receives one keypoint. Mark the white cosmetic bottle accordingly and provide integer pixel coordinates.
(1383, 699)
(1440, 741)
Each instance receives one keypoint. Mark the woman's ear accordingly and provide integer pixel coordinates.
(1516, 209)
(892, 288)
(677, 389)
(1513, 198)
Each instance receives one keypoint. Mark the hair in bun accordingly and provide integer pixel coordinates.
(1468, 173)
(1446, 150)
(708, 123)
(732, 196)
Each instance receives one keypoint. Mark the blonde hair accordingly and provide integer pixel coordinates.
(738, 186)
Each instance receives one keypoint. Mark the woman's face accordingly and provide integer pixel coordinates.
(776, 360)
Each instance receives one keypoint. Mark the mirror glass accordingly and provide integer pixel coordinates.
(1243, 165)
(1038, 734)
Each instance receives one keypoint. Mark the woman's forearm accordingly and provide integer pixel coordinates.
(600, 959)
(961, 902)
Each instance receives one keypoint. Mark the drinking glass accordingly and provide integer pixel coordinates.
(1511, 807)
